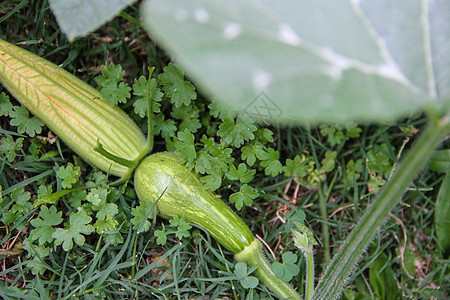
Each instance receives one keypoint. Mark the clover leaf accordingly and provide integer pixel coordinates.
(246, 195)
(297, 167)
(179, 91)
(185, 147)
(147, 91)
(182, 227)
(9, 147)
(5, 105)
(242, 274)
(288, 269)
(270, 162)
(235, 133)
(113, 91)
(44, 225)
(161, 236)
(78, 225)
(69, 175)
(242, 174)
(20, 117)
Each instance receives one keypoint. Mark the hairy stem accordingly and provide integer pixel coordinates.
(309, 275)
(335, 276)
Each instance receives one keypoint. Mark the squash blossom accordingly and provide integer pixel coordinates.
(73, 110)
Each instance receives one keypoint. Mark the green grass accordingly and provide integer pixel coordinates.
(197, 267)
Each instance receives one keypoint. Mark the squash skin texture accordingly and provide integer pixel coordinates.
(72, 109)
(187, 197)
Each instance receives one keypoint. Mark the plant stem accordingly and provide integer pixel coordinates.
(344, 261)
(253, 256)
(149, 111)
(304, 240)
(309, 274)
(325, 231)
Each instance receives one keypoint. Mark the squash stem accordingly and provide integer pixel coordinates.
(121, 161)
(252, 255)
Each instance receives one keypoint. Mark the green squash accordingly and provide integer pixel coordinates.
(73, 110)
(186, 197)
(181, 193)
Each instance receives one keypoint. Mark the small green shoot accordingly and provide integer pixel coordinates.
(161, 236)
(304, 240)
(21, 207)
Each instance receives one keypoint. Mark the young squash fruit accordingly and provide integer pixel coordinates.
(181, 193)
(73, 110)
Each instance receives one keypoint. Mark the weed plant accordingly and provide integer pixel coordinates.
(91, 239)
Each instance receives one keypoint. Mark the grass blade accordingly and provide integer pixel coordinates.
(442, 215)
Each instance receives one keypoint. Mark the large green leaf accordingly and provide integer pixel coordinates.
(79, 17)
(311, 60)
